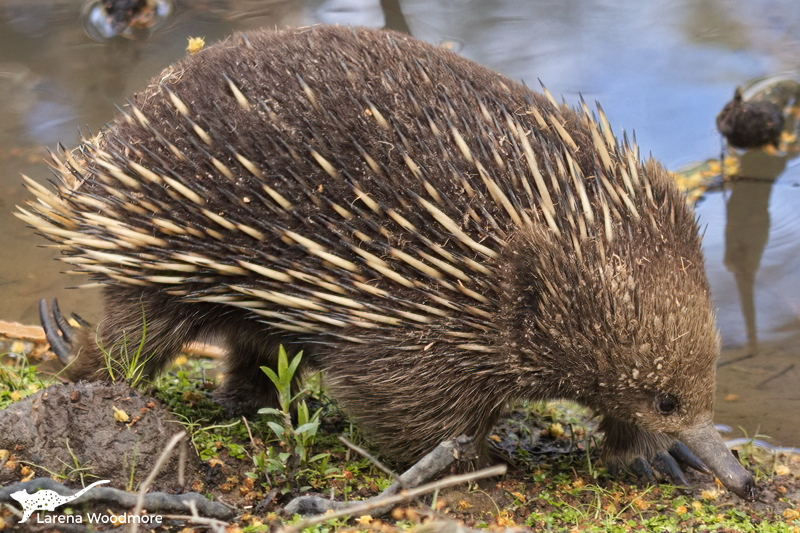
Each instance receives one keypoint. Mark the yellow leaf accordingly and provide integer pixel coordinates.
(120, 415)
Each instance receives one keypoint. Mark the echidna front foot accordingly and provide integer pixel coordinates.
(699, 446)
(628, 448)
(668, 463)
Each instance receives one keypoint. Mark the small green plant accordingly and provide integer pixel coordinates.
(68, 471)
(755, 455)
(208, 440)
(297, 439)
(131, 484)
(18, 380)
(128, 365)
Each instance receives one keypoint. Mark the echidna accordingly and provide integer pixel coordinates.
(439, 239)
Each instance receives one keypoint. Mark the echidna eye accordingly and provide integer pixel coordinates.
(666, 404)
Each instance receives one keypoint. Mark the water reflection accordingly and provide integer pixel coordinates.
(746, 234)
(132, 19)
(761, 129)
(352, 12)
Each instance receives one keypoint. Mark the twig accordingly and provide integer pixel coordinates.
(436, 461)
(213, 523)
(390, 501)
(250, 434)
(445, 454)
(182, 464)
(379, 465)
(218, 526)
(153, 501)
(35, 334)
(15, 330)
(154, 472)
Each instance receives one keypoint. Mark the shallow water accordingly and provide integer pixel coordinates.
(661, 68)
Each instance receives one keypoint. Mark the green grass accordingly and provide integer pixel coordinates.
(127, 363)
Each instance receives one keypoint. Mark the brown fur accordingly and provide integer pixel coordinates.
(607, 305)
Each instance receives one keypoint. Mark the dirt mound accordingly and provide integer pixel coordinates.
(99, 430)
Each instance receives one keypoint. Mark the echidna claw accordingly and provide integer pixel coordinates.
(66, 330)
(642, 469)
(81, 322)
(55, 325)
(685, 457)
(665, 463)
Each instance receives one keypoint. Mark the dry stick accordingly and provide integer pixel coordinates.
(423, 470)
(400, 482)
(213, 523)
(364, 453)
(161, 501)
(446, 453)
(153, 473)
(249, 433)
(182, 464)
(35, 334)
(407, 495)
(217, 526)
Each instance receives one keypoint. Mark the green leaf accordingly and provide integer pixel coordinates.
(295, 364)
(271, 375)
(277, 429)
(236, 451)
(283, 365)
(310, 427)
(302, 413)
(270, 411)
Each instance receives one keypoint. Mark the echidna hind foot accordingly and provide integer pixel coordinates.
(143, 331)
(407, 412)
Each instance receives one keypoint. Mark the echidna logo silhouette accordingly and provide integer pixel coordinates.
(46, 500)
